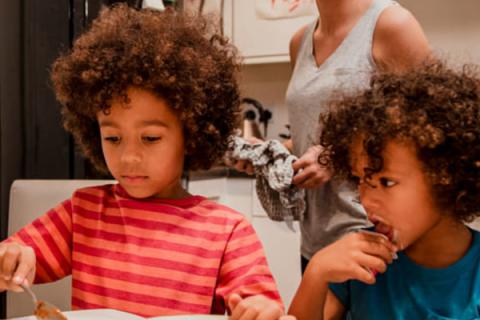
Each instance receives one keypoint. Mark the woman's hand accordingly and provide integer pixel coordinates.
(309, 173)
(356, 256)
(17, 266)
(255, 307)
(244, 166)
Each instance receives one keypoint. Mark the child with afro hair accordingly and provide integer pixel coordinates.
(411, 144)
(146, 93)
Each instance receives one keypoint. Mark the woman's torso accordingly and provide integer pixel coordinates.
(330, 209)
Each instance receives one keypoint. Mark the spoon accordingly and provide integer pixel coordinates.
(43, 310)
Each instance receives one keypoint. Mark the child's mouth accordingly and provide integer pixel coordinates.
(385, 229)
(134, 179)
(388, 231)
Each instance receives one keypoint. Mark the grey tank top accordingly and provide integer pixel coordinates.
(331, 211)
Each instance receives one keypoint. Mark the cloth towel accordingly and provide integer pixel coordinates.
(272, 163)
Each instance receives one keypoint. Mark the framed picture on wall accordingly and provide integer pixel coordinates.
(284, 9)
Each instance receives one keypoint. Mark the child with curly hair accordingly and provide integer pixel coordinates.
(411, 143)
(145, 93)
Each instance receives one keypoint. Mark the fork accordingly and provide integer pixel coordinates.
(43, 310)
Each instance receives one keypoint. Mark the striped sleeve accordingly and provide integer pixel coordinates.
(244, 268)
(51, 237)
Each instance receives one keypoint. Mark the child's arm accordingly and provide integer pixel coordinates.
(350, 258)
(50, 239)
(17, 266)
(314, 300)
(244, 272)
(255, 307)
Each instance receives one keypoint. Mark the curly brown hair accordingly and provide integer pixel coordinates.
(434, 107)
(172, 54)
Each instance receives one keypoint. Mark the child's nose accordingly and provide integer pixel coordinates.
(131, 153)
(368, 198)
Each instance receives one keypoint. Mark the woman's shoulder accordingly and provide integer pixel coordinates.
(296, 41)
(399, 41)
(395, 18)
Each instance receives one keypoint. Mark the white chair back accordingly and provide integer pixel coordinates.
(29, 199)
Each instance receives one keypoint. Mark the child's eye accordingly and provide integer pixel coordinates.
(150, 139)
(112, 139)
(385, 182)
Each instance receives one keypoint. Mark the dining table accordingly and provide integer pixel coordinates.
(110, 314)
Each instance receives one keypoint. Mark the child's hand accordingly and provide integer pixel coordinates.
(358, 256)
(17, 264)
(255, 308)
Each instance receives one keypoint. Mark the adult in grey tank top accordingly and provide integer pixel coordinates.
(346, 63)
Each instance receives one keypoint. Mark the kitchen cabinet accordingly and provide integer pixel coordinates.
(259, 40)
(233, 192)
(282, 245)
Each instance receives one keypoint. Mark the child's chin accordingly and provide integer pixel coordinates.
(139, 194)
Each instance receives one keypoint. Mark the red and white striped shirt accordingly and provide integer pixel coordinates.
(150, 257)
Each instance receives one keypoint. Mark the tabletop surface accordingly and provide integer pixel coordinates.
(109, 314)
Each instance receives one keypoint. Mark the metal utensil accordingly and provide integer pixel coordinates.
(43, 310)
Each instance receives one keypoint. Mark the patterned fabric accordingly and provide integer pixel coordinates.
(274, 174)
(150, 257)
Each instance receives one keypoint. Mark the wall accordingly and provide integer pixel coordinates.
(268, 83)
(452, 27)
